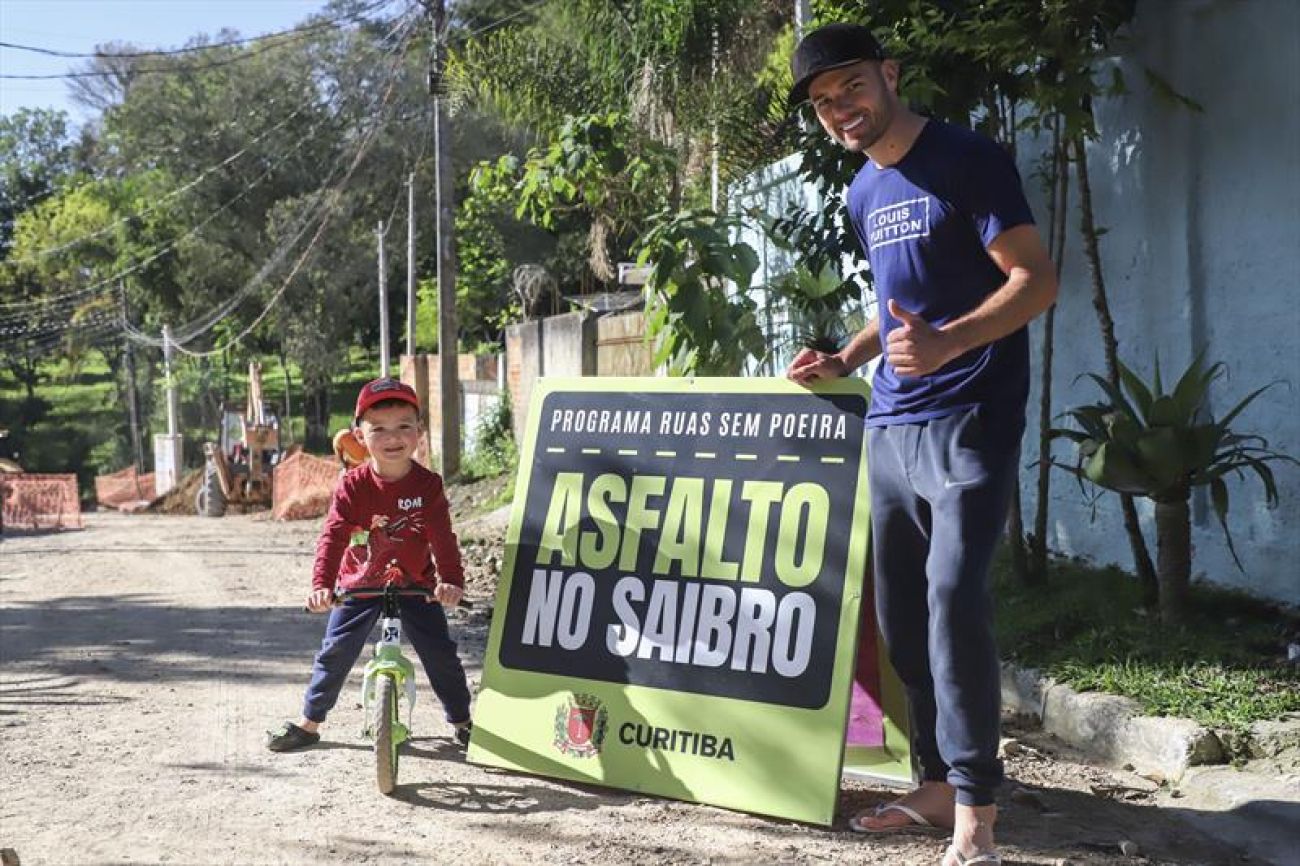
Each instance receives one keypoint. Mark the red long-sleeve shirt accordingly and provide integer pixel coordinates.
(353, 552)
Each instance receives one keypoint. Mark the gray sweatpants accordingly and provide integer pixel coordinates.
(939, 496)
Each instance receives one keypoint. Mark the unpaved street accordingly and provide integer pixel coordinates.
(142, 660)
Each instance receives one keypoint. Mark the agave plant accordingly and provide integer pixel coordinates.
(1144, 442)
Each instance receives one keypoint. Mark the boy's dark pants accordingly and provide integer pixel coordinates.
(423, 624)
(939, 496)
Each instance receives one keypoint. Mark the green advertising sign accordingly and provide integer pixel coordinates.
(678, 609)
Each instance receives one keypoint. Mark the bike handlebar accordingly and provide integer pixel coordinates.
(380, 592)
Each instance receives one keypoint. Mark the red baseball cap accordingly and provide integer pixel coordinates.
(378, 390)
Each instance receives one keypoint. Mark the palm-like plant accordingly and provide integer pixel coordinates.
(1144, 442)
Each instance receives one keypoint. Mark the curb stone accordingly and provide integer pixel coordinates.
(1254, 807)
(1110, 728)
(1113, 729)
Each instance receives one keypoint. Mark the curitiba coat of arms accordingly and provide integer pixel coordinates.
(580, 724)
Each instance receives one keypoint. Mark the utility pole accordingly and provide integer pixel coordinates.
(448, 384)
(132, 404)
(167, 450)
(172, 406)
(383, 303)
(410, 265)
(714, 144)
(802, 17)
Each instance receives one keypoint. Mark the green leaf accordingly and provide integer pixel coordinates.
(1117, 399)
(1123, 429)
(1189, 394)
(1199, 445)
(1074, 436)
(1266, 478)
(1219, 496)
(1161, 86)
(1236, 410)
(1160, 456)
(1165, 412)
(1113, 469)
(1137, 388)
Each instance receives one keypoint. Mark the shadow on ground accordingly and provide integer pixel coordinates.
(153, 641)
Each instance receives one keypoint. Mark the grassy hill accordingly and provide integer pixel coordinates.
(78, 420)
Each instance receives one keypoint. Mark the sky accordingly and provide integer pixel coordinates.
(80, 25)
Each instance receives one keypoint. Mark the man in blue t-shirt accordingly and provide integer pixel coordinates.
(959, 272)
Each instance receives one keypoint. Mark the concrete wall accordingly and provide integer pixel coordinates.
(1201, 252)
(523, 367)
(569, 345)
(478, 399)
(559, 346)
(479, 394)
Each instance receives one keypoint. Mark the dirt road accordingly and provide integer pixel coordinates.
(142, 660)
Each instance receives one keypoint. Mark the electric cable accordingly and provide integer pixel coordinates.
(189, 332)
(307, 28)
(192, 330)
(27, 202)
(162, 70)
(52, 335)
(297, 265)
(49, 251)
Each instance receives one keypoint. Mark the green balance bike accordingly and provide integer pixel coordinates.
(388, 683)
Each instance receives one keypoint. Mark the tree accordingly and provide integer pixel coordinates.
(1010, 67)
(686, 73)
(41, 155)
(1142, 441)
(700, 324)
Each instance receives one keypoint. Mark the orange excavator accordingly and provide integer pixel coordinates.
(239, 466)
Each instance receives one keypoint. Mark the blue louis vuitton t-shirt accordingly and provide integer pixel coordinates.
(924, 224)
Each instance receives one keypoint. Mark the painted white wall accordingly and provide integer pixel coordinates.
(1202, 251)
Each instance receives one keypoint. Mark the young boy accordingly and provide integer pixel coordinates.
(386, 517)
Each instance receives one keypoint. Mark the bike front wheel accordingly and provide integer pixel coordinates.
(383, 725)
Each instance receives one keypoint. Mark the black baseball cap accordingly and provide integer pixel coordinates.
(826, 48)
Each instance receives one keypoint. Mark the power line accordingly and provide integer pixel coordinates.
(195, 329)
(49, 251)
(159, 252)
(325, 24)
(44, 339)
(491, 25)
(36, 302)
(71, 300)
(172, 70)
(302, 259)
(25, 203)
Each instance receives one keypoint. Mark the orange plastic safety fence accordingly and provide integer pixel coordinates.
(127, 487)
(303, 486)
(36, 501)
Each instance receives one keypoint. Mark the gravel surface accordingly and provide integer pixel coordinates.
(143, 658)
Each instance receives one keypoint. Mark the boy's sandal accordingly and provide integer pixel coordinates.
(290, 738)
(916, 822)
(463, 734)
(986, 858)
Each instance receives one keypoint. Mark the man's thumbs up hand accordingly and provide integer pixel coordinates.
(908, 319)
(916, 347)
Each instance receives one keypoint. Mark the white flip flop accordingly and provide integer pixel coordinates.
(919, 823)
(986, 858)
